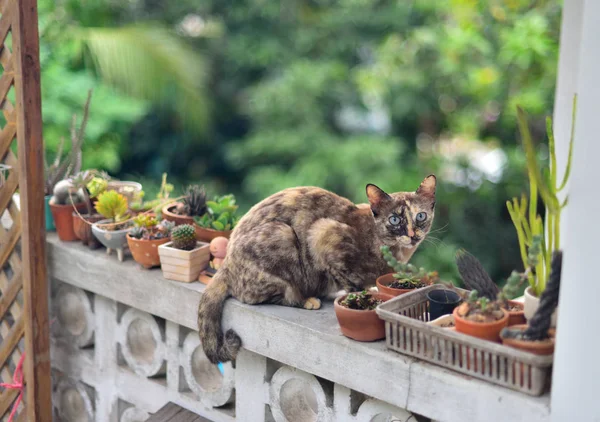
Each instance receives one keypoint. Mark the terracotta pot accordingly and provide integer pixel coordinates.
(83, 230)
(182, 265)
(532, 302)
(48, 214)
(63, 220)
(206, 235)
(486, 331)
(145, 252)
(169, 215)
(111, 239)
(125, 188)
(360, 325)
(387, 279)
(545, 347)
(516, 317)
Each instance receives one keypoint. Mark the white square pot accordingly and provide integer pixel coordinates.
(180, 265)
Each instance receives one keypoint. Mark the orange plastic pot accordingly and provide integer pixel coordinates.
(63, 220)
(82, 226)
(486, 331)
(383, 283)
(545, 347)
(145, 252)
(358, 324)
(516, 317)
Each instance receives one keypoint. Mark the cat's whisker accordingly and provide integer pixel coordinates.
(440, 229)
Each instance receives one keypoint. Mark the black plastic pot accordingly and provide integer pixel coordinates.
(442, 302)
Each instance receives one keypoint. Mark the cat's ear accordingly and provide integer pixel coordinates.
(377, 197)
(427, 187)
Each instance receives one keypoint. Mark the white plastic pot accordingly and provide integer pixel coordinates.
(532, 302)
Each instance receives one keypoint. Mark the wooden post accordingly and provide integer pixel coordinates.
(31, 182)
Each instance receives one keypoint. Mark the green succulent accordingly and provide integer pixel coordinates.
(220, 214)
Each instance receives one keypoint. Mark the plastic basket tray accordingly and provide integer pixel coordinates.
(407, 332)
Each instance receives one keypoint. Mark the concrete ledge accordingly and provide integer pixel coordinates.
(307, 340)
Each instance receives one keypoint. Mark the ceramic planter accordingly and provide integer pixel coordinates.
(531, 305)
(516, 317)
(180, 265)
(145, 252)
(111, 239)
(48, 214)
(442, 302)
(125, 188)
(384, 281)
(486, 331)
(544, 347)
(361, 325)
(206, 235)
(82, 225)
(63, 220)
(169, 215)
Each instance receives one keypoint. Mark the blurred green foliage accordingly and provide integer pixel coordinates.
(330, 93)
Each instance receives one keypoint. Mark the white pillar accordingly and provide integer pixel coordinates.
(576, 378)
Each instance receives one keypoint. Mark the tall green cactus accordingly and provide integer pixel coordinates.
(528, 223)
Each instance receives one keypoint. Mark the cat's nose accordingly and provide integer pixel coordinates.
(411, 233)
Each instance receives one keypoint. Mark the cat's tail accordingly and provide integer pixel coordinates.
(217, 347)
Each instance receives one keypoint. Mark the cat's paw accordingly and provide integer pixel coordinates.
(312, 303)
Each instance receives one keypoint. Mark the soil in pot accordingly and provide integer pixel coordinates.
(442, 302)
(483, 325)
(82, 225)
(513, 337)
(389, 285)
(63, 220)
(145, 252)
(357, 316)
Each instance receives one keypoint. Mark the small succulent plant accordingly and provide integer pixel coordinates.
(147, 227)
(360, 300)
(113, 206)
(220, 214)
(184, 237)
(194, 202)
(407, 275)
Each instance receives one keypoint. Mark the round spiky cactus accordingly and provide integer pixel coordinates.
(184, 237)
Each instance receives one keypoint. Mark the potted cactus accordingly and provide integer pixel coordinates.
(90, 183)
(406, 277)
(219, 220)
(145, 237)
(192, 205)
(480, 317)
(61, 205)
(184, 257)
(112, 231)
(356, 315)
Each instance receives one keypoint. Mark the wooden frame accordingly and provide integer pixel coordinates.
(23, 279)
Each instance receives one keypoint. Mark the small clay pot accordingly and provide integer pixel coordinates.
(63, 220)
(516, 317)
(544, 347)
(358, 324)
(206, 235)
(169, 215)
(442, 302)
(486, 331)
(384, 281)
(82, 225)
(48, 214)
(145, 252)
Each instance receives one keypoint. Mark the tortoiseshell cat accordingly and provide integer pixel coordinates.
(306, 243)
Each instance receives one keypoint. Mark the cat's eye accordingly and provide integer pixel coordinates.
(421, 216)
(394, 220)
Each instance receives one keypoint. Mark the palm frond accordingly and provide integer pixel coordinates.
(151, 63)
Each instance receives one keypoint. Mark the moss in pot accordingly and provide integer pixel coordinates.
(406, 277)
(357, 317)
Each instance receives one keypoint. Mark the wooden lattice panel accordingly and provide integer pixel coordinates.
(23, 284)
(12, 317)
